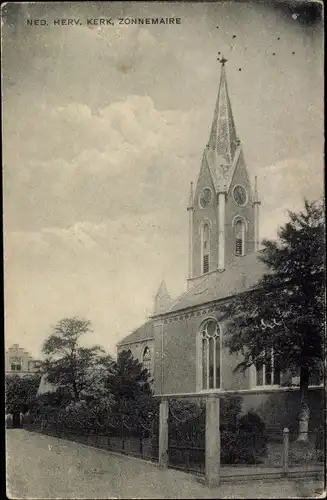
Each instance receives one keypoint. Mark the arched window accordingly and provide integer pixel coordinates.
(147, 359)
(239, 228)
(206, 248)
(211, 350)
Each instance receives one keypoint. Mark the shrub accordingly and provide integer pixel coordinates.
(245, 442)
(320, 443)
(20, 392)
(252, 425)
(230, 409)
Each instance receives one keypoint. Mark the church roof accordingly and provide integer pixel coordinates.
(242, 275)
(145, 331)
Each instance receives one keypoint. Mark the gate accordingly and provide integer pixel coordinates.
(186, 435)
(135, 436)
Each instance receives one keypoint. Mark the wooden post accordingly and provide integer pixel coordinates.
(212, 446)
(163, 434)
(286, 437)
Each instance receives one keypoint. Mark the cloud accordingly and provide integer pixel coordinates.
(127, 46)
(284, 185)
(117, 160)
(108, 272)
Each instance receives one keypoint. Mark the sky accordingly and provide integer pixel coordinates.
(104, 129)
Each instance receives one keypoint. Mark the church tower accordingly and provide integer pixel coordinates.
(223, 208)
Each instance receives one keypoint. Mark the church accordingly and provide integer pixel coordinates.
(182, 343)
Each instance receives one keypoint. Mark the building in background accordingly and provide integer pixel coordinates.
(19, 362)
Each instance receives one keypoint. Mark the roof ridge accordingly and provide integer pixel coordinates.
(150, 320)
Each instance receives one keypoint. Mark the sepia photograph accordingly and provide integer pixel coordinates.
(164, 249)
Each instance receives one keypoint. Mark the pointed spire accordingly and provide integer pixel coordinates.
(223, 138)
(162, 299)
(191, 198)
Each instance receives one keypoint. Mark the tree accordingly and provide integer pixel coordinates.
(285, 312)
(130, 385)
(71, 366)
(20, 392)
(127, 378)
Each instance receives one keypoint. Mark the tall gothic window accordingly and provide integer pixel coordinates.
(147, 359)
(268, 372)
(206, 248)
(210, 340)
(239, 237)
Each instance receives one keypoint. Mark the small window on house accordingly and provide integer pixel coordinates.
(206, 249)
(16, 364)
(210, 347)
(239, 237)
(268, 372)
(147, 359)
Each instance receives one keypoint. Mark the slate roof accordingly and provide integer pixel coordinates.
(243, 274)
(223, 138)
(145, 331)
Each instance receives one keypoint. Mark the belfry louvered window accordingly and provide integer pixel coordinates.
(239, 237)
(211, 350)
(206, 249)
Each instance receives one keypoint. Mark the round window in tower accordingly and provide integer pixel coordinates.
(205, 197)
(240, 195)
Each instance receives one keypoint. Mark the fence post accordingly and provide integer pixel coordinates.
(286, 438)
(141, 443)
(163, 433)
(212, 441)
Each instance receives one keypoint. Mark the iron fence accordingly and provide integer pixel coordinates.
(186, 435)
(121, 434)
(246, 450)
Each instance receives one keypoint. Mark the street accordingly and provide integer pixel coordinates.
(40, 466)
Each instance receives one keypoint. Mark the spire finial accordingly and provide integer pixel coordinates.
(223, 60)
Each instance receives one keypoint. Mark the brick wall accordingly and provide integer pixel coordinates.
(179, 369)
